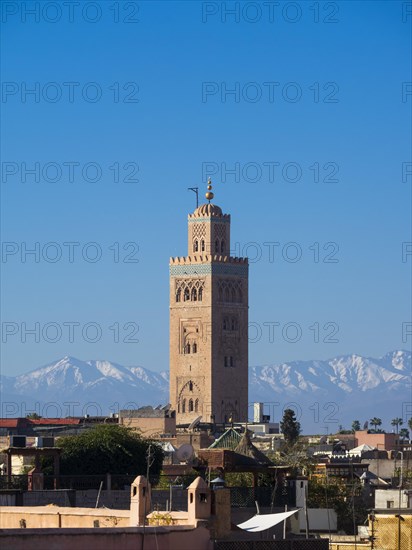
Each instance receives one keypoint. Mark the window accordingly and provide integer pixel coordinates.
(178, 295)
(224, 323)
(184, 406)
(194, 295)
(222, 246)
(231, 362)
(190, 386)
(233, 295)
(187, 348)
(197, 405)
(227, 297)
(195, 246)
(220, 295)
(226, 361)
(216, 246)
(190, 405)
(202, 245)
(186, 296)
(200, 294)
(390, 504)
(194, 348)
(233, 323)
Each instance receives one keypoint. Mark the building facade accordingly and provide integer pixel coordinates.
(209, 323)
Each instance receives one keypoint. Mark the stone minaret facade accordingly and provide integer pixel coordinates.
(209, 323)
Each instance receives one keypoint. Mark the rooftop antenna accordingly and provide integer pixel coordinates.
(195, 190)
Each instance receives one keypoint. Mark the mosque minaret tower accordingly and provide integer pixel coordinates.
(209, 323)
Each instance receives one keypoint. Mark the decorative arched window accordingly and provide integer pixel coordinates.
(239, 294)
(194, 348)
(233, 295)
(186, 295)
(220, 294)
(184, 406)
(195, 245)
(222, 246)
(231, 363)
(233, 324)
(216, 246)
(190, 405)
(194, 295)
(225, 361)
(190, 386)
(197, 405)
(200, 294)
(227, 297)
(202, 245)
(224, 323)
(178, 295)
(178, 407)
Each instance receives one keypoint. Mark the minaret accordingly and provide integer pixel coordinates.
(209, 323)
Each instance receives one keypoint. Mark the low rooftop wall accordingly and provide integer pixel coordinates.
(129, 538)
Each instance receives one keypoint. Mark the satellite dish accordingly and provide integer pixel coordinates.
(184, 453)
(195, 423)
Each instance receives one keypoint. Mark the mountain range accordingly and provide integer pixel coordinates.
(325, 394)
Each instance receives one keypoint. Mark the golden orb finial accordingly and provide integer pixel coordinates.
(209, 195)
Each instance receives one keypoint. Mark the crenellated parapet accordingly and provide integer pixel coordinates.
(184, 260)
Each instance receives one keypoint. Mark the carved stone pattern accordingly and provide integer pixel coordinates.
(199, 230)
(182, 284)
(219, 231)
(230, 291)
(207, 269)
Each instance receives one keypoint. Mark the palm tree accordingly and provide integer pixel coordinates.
(356, 426)
(375, 422)
(397, 422)
(410, 423)
(404, 433)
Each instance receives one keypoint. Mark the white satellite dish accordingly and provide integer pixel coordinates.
(195, 423)
(184, 453)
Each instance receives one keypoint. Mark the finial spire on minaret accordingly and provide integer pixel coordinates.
(209, 195)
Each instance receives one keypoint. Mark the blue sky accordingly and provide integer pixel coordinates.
(339, 110)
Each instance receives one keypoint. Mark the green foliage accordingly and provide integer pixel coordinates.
(375, 422)
(343, 498)
(296, 456)
(404, 433)
(397, 422)
(33, 416)
(290, 427)
(356, 426)
(241, 479)
(108, 449)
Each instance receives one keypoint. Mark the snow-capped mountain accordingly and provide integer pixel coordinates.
(324, 393)
(86, 387)
(327, 394)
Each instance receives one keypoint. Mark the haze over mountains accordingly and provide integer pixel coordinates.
(325, 394)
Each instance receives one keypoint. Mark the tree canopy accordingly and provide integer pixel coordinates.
(289, 426)
(108, 449)
(397, 422)
(356, 426)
